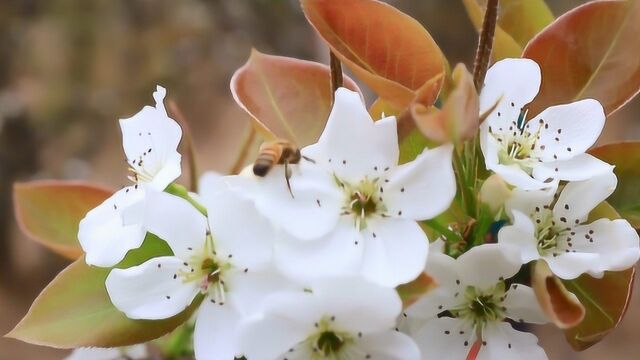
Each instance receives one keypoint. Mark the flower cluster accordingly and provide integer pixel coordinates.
(309, 268)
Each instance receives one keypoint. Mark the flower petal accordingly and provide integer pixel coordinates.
(521, 237)
(247, 290)
(530, 202)
(578, 198)
(503, 342)
(442, 268)
(395, 251)
(150, 140)
(513, 82)
(103, 233)
(483, 266)
(216, 332)
(567, 130)
(445, 339)
(389, 345)
(580, 167)
(131, 352)
(310, 213)
(177, 222)
(338, 253)
(422, 188)
(522, 305)
(153, 290)
(336, 149)
(239, 232)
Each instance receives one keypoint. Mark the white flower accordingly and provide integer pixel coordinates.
(470, 307)
(150, 140)
(136, 352)
(333, 319)
(354, 208)
(546, 149)
(554, 228)
(228, 264)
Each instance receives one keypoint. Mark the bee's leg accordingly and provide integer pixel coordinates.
(309, 159)
(287, 176)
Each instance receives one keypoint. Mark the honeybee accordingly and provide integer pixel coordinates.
(277, 152)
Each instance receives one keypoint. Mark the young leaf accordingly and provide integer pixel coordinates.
(524, 19)
(412, 291)
(49, 212)
(388, 50)
(626, 157)
(561, 306)
(74, 310)
(595, 55)
(605, 300)
(287, 98)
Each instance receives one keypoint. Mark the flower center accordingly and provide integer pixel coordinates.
(518, 145)
(481, 307)
(548, 234)
(362, 200)
(329, 343)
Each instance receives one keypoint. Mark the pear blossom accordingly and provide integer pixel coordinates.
(150, 141)
(225, 259)
(136, 352)
(354, 209)
(550, 147)
(470, 308)
(345, 318)
(554, 227)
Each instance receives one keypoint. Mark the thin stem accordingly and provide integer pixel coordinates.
(336, 73)
(485, 44)
(443, 230)
(243, 153)
(187, 144)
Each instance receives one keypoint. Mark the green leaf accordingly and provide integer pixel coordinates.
(413, 145)
(74, 310)
(626, 158)
(524, 19)
(605, 300)
(49, 212)
(589, 52)
(412, 291)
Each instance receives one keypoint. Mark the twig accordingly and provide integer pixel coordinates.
(336, 73)
(241, 158)
(485, 44)
(186, 144)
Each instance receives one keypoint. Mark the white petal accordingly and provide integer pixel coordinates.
(133, 352)
(521, 237)
(239, 230)
(580, 167)
(483, 266)
(445, 339)
(216, 332)
(522, 305)
(395, 251)
(422, 188)
(529, 202)
(567, 130)
(515, 82)
(103, 234)
(152, 137)
(211, 183)
(153, 290)
(336, 254)
(600, 246)
(247, 290)
(389, 345)
(442, 268)
(312, 212)
(349, 159)
(503, 342)
(578, 198)
(177, 222)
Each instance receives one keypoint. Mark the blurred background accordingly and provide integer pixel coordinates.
(70, 69)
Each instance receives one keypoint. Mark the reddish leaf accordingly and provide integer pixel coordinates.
(49, 212)
(287, 98)
(74, 310)
(589, 52)
(388, 50)
(561, 306)
(412, 291)
(626, 157)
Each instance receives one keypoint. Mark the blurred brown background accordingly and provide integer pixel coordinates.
(70, 69)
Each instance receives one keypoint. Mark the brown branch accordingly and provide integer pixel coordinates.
(336, 73)
(187, 144)
(485, 44)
